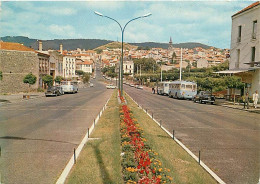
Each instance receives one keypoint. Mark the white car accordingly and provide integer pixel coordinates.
(110, 86)
(91, 85)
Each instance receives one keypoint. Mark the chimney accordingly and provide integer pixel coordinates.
(61, 49)
(40, 45)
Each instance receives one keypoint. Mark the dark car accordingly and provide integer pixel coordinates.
(204, 97)
(54, 91)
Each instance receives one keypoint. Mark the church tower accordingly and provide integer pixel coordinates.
(170, 44)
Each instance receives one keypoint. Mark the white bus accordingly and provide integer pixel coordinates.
(69, 86)
(163, 88)
(182, 89)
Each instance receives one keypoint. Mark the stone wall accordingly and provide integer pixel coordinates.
(15, 65)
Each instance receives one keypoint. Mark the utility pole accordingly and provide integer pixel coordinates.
(161, 72)
(181, 64)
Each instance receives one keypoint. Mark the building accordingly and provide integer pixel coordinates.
(85, 66)
(69, 66)
(16, 62)
(128, 67)
(245, 47)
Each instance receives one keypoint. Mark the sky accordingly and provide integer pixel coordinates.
(207, 22)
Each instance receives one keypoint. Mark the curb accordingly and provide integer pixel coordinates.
(216, 177)
(73, 158)
(252, 111)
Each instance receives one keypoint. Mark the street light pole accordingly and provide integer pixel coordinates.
(120, 81)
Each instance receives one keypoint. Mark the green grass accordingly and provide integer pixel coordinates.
(184, 169)
(99, 161)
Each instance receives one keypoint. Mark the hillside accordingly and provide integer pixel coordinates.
(114, 45)
(72, 44)
(189, 45)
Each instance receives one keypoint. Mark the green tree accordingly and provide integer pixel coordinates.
(99, 51)
(1, 75)
(234, 82)
(79, 72)
(58, 79)
(30, 79)
(48, 79)
(86, 78)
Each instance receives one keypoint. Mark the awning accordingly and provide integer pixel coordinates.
(234, 71)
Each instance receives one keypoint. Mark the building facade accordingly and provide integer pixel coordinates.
(245, 48)
(69, 66)
(128, 67)
(16, 62)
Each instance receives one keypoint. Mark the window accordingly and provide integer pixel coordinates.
(253, 54)
(239, 33)
(183, 86)
(254, 29)
(238, 59)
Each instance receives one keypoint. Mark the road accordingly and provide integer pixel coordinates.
(229, 139)
(37, 137)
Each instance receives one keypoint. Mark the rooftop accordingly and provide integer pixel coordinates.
(247, 8)
(14, 46)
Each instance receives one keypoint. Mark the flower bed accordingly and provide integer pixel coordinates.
(139, 162)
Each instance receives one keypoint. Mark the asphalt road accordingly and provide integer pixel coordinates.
(37, 137)
(229, 139)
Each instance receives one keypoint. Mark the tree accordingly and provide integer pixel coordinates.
(1, 75)
(48, 79)
(58, 79)
(30, 79)
(79, 72)
(99, 51)
(86, 78)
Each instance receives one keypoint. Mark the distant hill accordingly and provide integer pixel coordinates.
(189, 45)
(72, 44)
(114, 45)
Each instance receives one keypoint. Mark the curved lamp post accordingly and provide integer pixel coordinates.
(120, 81)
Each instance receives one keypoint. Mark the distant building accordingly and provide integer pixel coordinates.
(202, 63)
(69, 66)
(128, 67)
(85, 66)
(245, 47)
(16, 62)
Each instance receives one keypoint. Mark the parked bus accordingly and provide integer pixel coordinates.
(69, 86)
(182, 89)
(163, 88)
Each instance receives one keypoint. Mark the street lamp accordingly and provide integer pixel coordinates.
(120, 79)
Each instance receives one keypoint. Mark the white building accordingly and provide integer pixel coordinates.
(202, 63)
(128, 67)
(85, 66)
(69, 66)
(245, 48)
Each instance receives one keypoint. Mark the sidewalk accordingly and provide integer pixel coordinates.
(228, 104)
(240, 106)
(13, 98)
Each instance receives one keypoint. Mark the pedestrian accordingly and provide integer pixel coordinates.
(255, 98)
(153, 91)
(246, 103)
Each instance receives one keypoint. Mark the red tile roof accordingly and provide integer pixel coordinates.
(247, 8)
(14, 46)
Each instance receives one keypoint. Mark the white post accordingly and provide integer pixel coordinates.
(181, 64)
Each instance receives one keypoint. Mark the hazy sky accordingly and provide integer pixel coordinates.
(206, 22)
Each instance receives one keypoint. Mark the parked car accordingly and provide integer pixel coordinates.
(91, 85)
(204, 97)
(110, 86)
(132, 85)
(54, 91)
(140, 87)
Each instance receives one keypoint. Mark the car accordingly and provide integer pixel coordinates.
(54, 91)
(140, 87)
(91, 85)
(110, 86)
(132, 85)
(204, 97)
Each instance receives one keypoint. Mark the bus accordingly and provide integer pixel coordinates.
(69, 86)
(163, 88)
(182, 89)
